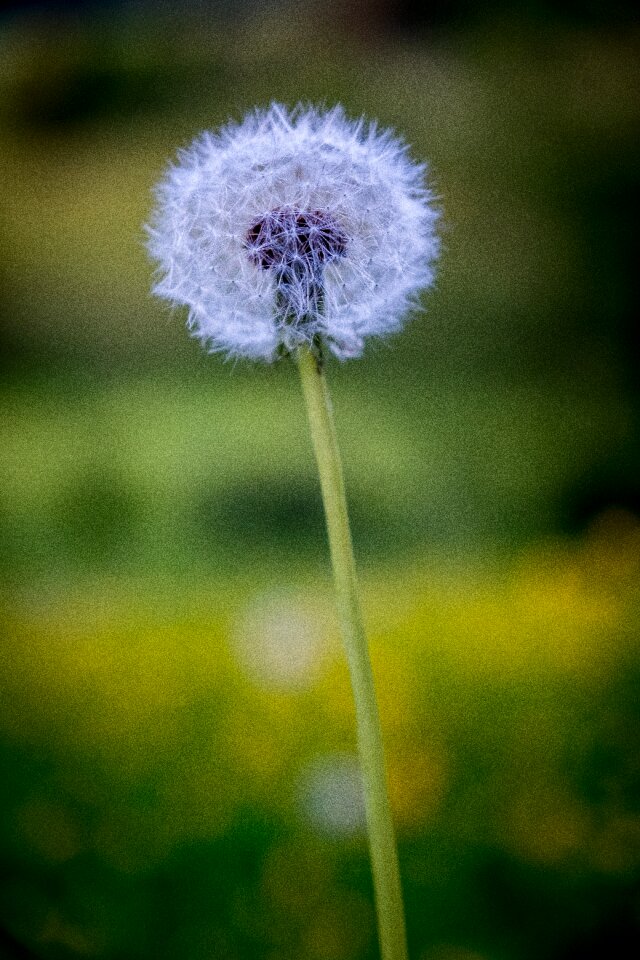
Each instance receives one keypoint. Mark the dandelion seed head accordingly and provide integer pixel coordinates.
(292, 227)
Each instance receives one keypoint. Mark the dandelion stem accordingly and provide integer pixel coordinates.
(384, 855)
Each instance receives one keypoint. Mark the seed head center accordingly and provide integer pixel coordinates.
(292, 240)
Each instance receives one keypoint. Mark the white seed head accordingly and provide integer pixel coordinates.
(294, 227)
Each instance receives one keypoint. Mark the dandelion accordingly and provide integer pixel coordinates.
(292, 229)
(301, 233)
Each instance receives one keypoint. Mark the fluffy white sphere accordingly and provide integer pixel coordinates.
(294, 227)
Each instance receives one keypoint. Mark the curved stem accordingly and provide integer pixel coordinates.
(384, 856)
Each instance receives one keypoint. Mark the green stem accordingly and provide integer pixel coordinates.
(384, 855)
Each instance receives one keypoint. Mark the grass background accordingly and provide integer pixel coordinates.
(176, 727)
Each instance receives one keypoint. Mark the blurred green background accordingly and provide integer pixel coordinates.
(176, 727)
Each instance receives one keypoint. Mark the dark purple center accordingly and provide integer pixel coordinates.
(288, 239)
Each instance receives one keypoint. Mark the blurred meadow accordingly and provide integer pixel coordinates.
(176, 726)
